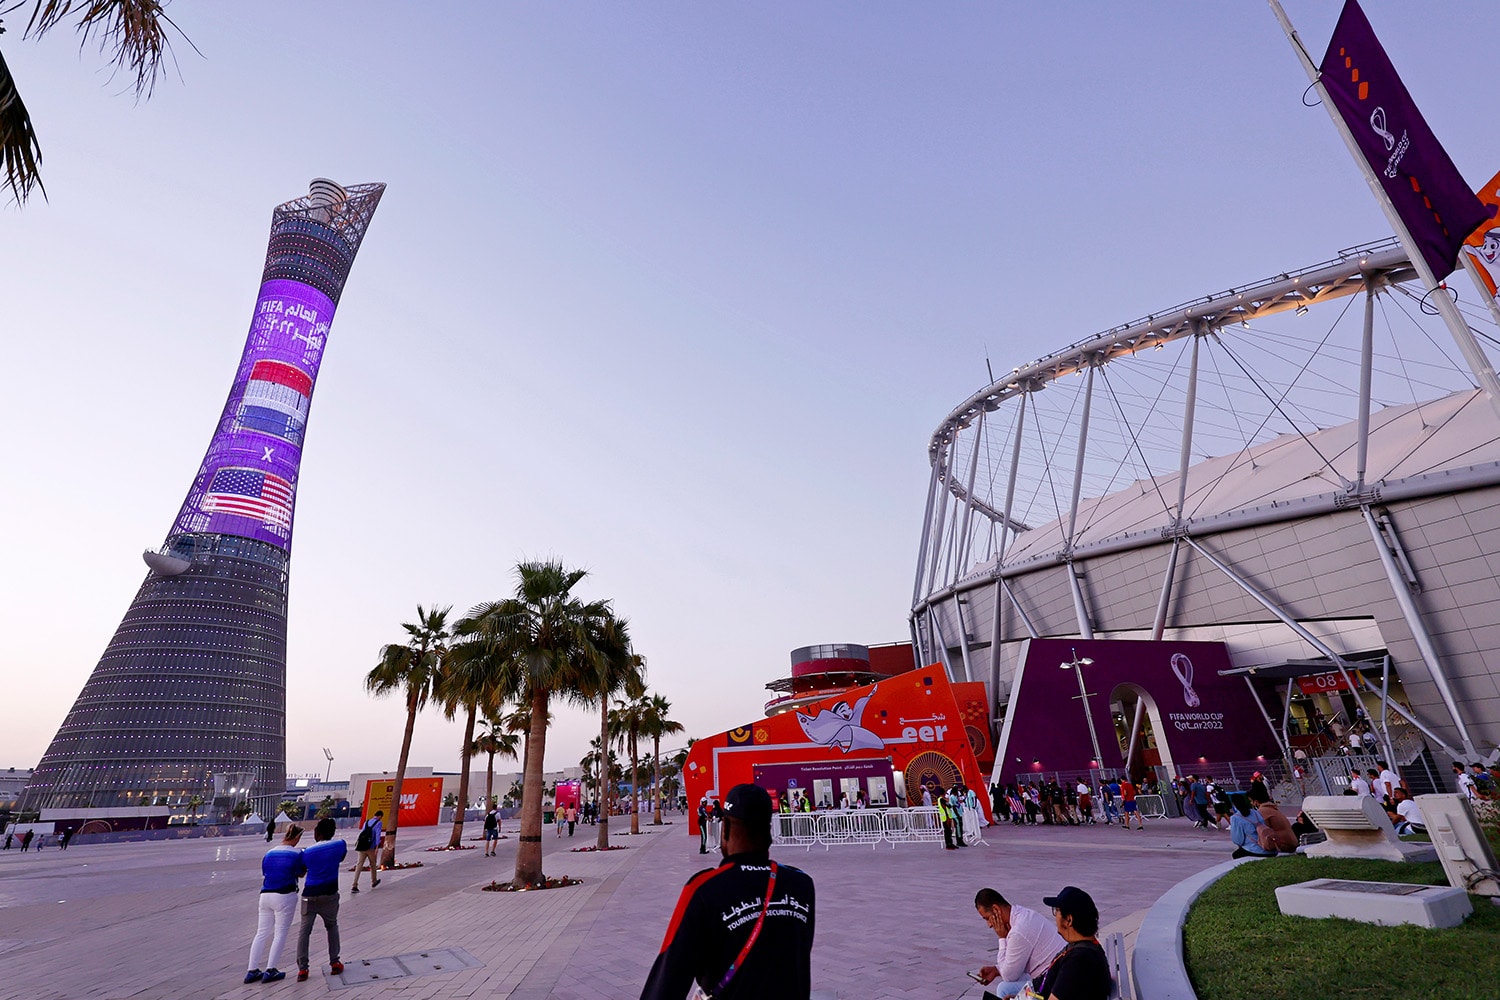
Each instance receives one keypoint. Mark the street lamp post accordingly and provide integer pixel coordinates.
(1076, 664)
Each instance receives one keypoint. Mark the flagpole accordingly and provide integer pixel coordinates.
(1464, 337)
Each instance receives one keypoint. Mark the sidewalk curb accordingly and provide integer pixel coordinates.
(1157, 965)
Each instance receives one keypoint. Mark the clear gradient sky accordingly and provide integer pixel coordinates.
(674, 292)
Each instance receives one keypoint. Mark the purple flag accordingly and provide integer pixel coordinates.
(1426, 189)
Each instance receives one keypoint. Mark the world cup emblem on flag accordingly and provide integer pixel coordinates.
(264, 496)
(1419, 181)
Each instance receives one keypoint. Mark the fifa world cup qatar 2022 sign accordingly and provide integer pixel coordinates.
(1194, 713)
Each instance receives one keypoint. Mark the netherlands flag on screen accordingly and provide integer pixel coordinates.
(276, 400)
(250, 493)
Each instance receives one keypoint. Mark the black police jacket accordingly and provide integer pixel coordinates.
(715, 916)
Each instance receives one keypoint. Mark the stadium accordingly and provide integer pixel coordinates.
(1300, 468)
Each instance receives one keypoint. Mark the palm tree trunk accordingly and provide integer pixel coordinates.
(489, 783)
(388, 856)
(529, 851)
(635, 789)
(656, 777)
(457, 838)
(603, 783)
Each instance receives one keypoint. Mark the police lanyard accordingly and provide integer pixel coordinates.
(755, 933)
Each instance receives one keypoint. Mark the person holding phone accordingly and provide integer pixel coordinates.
(1028, 944)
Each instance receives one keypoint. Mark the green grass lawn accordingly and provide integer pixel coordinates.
(1240, 947)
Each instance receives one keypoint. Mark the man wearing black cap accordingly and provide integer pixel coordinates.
(745, 928)
(1081, 970)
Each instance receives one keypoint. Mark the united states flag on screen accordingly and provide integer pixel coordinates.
(250, 493)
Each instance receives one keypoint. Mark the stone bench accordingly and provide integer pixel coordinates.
(1383, 903)
(1358, 828)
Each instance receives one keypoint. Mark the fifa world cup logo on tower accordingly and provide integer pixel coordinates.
(1182, 667)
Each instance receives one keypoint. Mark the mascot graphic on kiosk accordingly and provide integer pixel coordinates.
(840, 726)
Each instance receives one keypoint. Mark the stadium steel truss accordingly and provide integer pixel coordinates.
(189, 699)
(1255, 467)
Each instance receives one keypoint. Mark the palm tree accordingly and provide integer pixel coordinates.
(414, 669)
(518, 723)
(616, 668)
(473, 678)
(493, 741)
(543, 633)
(628, 719)
(132, 31)
(658, 724)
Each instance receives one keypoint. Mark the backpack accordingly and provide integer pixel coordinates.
(366, 841)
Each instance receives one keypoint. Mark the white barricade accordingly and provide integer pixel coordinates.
(795, 829)
(973, 823)
(897, 823)
(1150, 806)
(834, 827)
(867, 827)
(923, 824)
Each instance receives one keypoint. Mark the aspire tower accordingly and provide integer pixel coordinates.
(189, 699)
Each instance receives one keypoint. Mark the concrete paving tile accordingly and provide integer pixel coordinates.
(167, 920)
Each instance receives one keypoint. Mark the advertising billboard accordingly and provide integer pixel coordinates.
(420, 800)
(247, 485)
(909, 726)
(1193, 713)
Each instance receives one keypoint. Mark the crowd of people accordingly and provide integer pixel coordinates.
(1066, 803)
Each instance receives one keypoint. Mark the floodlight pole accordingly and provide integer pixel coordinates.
(1076, 664)
(329, 754)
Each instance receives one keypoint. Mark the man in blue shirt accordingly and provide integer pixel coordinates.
(320, 895)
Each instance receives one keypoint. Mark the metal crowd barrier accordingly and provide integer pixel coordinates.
(835, 827)
(1150, 806)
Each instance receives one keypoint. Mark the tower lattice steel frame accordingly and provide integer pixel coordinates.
(189, 698)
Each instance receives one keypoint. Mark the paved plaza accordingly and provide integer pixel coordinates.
(174, 919)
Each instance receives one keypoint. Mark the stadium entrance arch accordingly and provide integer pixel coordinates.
(1142, 737)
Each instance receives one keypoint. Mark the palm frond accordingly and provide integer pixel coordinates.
(20, 153)
(131, 33)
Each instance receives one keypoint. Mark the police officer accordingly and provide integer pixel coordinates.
(743, 929)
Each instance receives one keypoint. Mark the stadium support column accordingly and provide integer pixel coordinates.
(1418, 626)
(1366, 366)
(1080, 607)
(963, 635)
(917, 588)
(944, 494)
(963, 533)
(1386, 542)
(1159, 624)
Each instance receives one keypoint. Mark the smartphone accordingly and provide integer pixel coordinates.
(975, 976)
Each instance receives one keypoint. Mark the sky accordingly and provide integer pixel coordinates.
(672, 292)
